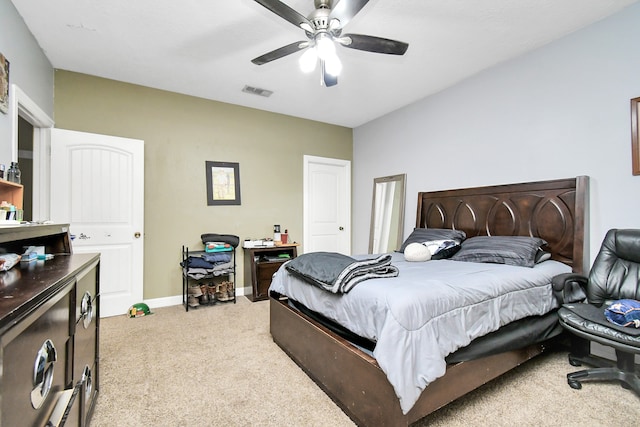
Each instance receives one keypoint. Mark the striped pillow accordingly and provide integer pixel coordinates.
(511, 250)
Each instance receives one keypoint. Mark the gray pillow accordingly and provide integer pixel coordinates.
(421, 235)
(511, 250)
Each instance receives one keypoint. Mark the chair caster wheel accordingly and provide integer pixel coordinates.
(574, 362)
(574, 384)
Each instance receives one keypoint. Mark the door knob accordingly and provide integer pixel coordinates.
(341, 228)
(137, 235)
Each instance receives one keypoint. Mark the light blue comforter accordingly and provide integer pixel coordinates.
(430, 310)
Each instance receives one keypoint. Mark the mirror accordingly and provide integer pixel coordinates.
(387, 214)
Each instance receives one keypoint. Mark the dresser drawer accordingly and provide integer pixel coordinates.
(85, 360)
(35, 362)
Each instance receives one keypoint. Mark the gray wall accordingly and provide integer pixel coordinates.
(29, 69)
(558, 112)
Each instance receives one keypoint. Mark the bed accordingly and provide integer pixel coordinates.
(347, 371)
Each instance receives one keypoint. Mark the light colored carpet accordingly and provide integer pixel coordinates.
(217, 366)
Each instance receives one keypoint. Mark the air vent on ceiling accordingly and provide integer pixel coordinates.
(257, 91)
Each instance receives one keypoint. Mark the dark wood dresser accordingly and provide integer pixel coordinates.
(49, 331)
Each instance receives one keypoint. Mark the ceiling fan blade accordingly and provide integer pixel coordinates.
(280, 52)
(327, 79)
(344, 10)
(285, 12)
(373, 44)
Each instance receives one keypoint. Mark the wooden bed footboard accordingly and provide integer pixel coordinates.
(355, 382)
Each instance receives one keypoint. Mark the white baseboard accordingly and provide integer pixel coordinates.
(164, 302)
(177, 299)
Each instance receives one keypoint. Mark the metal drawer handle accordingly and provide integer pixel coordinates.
(88, 382)
(86, 309)
(43, 373)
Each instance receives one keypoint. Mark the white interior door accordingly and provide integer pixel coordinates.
(327, 205)
(97, 186)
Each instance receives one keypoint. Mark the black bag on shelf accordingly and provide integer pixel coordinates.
(223, 238)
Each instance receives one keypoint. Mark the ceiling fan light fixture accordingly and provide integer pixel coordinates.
(333, 65)
(334, 25)
(326, 47)
(305, 26)
(308, 60)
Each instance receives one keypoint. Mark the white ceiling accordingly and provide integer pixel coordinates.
(203, 48)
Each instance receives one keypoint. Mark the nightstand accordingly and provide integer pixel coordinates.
(261, 263)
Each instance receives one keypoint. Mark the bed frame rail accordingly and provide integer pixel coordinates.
(362, 390)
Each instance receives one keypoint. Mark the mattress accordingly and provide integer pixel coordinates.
(429, 311)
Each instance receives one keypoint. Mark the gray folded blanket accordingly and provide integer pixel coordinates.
(339, 273)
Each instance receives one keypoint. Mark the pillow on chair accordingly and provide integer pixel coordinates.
(624, 312)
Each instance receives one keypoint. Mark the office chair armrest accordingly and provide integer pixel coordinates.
(569, 287)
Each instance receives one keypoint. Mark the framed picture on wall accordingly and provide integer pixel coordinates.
(223, 183)
(635, 135)
(4, 84)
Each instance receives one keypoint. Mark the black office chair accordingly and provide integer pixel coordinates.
(615, 275)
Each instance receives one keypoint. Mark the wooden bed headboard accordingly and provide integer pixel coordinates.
(556, 211)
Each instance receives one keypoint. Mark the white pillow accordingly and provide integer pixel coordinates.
(417, 252)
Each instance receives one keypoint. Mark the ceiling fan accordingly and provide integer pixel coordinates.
(323, 28)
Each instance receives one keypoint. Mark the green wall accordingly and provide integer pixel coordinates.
(181, 133)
